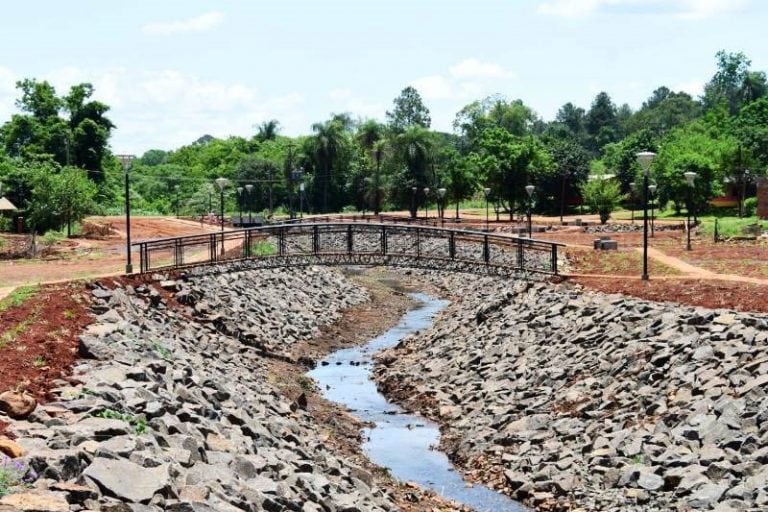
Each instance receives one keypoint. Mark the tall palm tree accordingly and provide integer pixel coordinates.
(268, 130)
(414, 147)
(327, 143)
(370, 138)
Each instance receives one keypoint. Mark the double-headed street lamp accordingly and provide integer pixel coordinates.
(652, 193)
(127, 162)
(529, 189)
(426, 204)
(249, 190)
(690, 178)
(441, 205)
(645, 159)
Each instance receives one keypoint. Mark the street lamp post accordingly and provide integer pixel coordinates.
(413, 201)
(652, 193)
(301, 200)
(690, 178)
(240, 191)
(222, 183)
(127, 162)
(441, 205)
(249, 191)
(530, 189)
(633, 191)
(645, 159)
(487, 192)
(426, 204)
(744, 181)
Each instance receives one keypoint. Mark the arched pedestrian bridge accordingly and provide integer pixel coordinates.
(354, 243)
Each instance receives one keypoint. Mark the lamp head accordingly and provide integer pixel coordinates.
(530, 189)
(645, 159)
(414, 189)
(441, 193)
(632, 186)
(652, 189)
(426, 191)
(126, 160)
(487, 192)
(249, 188)
(690, 177)
(222, 183)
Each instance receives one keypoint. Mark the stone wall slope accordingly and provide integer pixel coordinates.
(176, 410)
(570, 399)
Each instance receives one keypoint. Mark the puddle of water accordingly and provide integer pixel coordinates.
(401, 442)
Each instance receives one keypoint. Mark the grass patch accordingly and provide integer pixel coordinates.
(138, 423)
(263, 248)
(18, 297)
(14, 474)
(11, 334)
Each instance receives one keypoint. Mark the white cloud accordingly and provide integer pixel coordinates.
(473, 68)
(341, 93)
(435, 87)
(689, 9)
(693, 87)
(467, 79)
(166, 109)
(202, 23)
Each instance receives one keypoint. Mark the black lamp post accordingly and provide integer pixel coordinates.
(645, 159)
(413, 201)
(690, 178)
(301, 200)
(487, 193)
(633, 192)
(426, 204)
(222, 183)
(127, 162)
(652, 193)
(744, 181)
(240, 191)
(249, 191)
(441, 205)
(530, 189)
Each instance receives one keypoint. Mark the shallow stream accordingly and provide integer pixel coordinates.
(403, 443)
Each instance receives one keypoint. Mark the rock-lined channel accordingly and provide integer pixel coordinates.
(401, 442)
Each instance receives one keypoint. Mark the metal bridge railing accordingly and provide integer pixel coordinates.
(353, 243)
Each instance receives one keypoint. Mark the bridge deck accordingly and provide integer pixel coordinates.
(353, 243)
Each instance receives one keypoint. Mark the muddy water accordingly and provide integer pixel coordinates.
(401, 442)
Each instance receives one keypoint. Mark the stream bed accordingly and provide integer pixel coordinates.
(401, 442)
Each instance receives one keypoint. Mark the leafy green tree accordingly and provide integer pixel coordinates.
(412, 152)
(601, 122)
(733, 84)
(74, 196)
(603, 195)
(493, 112)
(620, 157)
(573, 118)
(268, 130)
(663, 111)
(751, 127)
(511, 163)
(571, 162)
(409, 110)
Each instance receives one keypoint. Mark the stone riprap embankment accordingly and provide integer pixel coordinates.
(176, 410)
(569, 399)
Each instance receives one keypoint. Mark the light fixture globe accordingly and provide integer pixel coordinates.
(645, 159)
(414, 189)
(487, 192)
(690, 177)
(633, 186)
(441, 192)
(426, 191)
(222, 183)
(240, 191)
(530, 189)
(249, 188)
(652, 189)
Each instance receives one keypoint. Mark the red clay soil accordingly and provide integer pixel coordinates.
(39, 338)
(694, 292)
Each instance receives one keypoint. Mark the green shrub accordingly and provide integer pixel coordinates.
(6, 224)
(52, 237)
(750, 206)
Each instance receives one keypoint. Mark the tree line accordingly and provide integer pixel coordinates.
(56, 163)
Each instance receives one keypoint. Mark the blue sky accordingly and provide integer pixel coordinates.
(174, 70)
